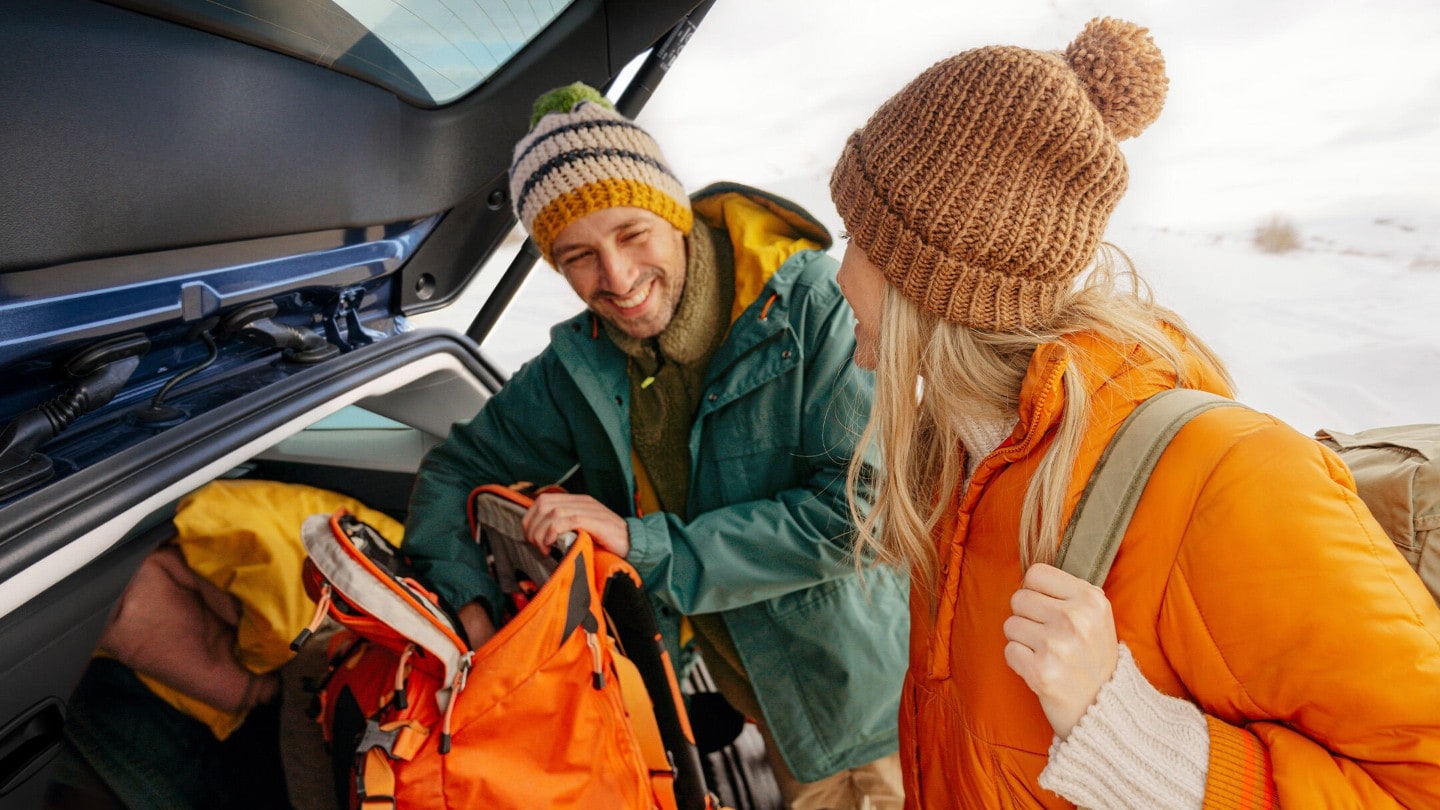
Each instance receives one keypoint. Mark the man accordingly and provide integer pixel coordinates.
(701, 412)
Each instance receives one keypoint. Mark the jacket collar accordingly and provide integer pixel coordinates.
(765, 233)
(764, 230)
(1118, 378)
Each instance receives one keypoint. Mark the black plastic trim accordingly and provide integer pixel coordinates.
(46, 643)
(36, 526)
(135, 134)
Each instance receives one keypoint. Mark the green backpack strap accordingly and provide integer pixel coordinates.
(1093, 536)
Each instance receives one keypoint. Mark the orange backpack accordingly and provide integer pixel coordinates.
(550, 712)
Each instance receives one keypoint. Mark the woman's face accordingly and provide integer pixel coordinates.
(864, 288)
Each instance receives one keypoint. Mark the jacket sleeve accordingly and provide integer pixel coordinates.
(1305, 637)
(520, 434)
(714, 562)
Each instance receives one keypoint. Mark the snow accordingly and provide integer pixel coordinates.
(1322, 112)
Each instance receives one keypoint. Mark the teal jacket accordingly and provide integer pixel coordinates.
(767, 540)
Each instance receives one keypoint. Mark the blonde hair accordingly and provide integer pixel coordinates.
(930, 372)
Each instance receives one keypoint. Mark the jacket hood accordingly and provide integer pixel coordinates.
(765, 231)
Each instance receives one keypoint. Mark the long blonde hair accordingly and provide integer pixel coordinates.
(930, 371)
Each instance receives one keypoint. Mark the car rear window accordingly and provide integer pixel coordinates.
(427, 51)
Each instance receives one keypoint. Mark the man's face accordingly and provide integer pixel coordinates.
(627, 264)
(864, 287)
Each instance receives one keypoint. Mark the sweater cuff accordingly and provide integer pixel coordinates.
(1239, 769)
(647, 542)
(1136, 747)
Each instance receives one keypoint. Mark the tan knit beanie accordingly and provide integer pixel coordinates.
(581, 156)
(982, 188)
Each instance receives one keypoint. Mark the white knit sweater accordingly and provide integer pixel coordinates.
(1136, 747)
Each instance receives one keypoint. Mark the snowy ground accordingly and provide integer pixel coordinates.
(1333, 335)
(1323, 112)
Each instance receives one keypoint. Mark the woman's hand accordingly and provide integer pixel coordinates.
(1062, 642)
(556, 513)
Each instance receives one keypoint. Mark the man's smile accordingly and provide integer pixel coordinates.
(635, 299)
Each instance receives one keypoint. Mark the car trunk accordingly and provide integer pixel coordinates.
(211, 250)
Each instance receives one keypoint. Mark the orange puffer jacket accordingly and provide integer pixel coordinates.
(1252, 581)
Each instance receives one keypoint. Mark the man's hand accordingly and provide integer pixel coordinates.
(556, 513)
(476, 621)
(1062, 642)
(177, 627)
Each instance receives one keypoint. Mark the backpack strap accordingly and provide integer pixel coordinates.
(374, 775)
(647, 731)
(1093, 536)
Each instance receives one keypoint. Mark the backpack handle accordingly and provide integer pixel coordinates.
(1093, 535)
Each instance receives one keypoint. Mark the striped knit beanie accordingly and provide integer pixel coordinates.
(982, 189)
(581, 156)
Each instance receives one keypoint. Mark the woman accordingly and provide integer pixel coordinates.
(1258, 641)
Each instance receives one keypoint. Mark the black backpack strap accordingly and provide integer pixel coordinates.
(1093, 536)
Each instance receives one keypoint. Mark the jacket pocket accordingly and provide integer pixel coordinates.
(840, 656)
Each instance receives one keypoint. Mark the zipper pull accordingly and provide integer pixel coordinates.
(401, 673)
(456, 687)
(597, 675)
(321, 608)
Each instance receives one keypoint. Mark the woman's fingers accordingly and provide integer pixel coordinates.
(1044, 658)
(1060, 639)
(1035, 605)
(1025, 631)
(1051, 581)
(1062, 602)
(1021, 660)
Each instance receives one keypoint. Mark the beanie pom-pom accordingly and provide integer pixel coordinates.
(1122, 71)
(564, 99)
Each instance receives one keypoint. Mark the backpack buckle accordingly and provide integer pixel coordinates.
(376, 737)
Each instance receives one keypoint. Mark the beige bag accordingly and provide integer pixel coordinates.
(1397, 471)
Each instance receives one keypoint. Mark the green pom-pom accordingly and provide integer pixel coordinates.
(564, 99)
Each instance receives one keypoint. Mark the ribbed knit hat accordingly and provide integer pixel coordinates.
(581, 156)
(982, 188)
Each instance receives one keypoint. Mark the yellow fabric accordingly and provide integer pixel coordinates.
(647, 503)
(222, 723)
(244, 537)
(763, 237)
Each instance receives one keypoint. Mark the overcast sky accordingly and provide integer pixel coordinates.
(1302, 108)
(1325, 112)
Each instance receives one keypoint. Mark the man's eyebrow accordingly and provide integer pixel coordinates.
(621, 226)
(567, 248)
